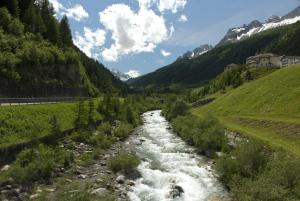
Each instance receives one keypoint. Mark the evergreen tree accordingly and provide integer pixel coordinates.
(52, 28)
(13, 7)
(79, 121)
(65, 33)
(24, 5)
(33, 20)
(130, 116)
(55, 127)
(91, 119)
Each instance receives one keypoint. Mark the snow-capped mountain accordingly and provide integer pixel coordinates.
(196, 52)
(246, 31)
(125, 76)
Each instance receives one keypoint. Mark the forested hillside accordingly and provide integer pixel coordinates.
(284, 40)
(38, 58)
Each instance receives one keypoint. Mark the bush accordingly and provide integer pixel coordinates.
(178, 108)
(253, 173)
(123, 130)
(38, 164)
(206, 133)
(124, 162)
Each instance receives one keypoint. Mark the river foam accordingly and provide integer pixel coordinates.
(168, 161)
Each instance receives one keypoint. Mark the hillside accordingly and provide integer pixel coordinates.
(267, 109)
(283, 40)
(41, 61)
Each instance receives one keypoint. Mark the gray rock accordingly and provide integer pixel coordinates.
(100, 191)
(34, 196)
(120, 179)
(82, 176)
(5, 168)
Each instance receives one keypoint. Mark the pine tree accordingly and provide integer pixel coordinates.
(91, 120)
(55, 127)
(24, 5)
(52, 29)
(79, 121)
(65, 33)
(33, 20)
(13, 7)
(130, 116)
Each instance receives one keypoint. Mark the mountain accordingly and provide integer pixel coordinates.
(39, 59)
(198, 71)
(196, 52)
(132, 74)
(246, 31)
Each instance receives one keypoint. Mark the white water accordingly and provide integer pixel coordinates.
(168, 160)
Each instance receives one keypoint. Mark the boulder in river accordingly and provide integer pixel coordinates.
(175, 192)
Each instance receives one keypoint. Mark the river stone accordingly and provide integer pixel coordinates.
(5, 168)
(120, 179)
(100, 191)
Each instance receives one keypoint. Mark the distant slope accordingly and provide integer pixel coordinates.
(276, 94)
(282, 40)
(267, 109)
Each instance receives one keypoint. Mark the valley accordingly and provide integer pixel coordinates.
(79, 123)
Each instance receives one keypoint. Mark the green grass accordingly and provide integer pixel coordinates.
(266, 109)
(22, 123)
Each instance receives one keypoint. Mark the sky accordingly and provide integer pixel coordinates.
(140, 36)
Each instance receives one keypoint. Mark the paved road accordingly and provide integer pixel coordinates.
(35, 101)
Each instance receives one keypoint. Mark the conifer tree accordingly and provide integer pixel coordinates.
(55, 127)
(13, 7)
(65, 33)
(79, 121)
(91, 120)
(130, 116)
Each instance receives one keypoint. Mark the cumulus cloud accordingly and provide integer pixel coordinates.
(133, 73)
(89, 41)
(183, 18)
(132, 32)
(77, 12)
(165, 53)
(56, 5)
(164, 5)
(173, 5)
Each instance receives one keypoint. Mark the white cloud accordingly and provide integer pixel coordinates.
(133, 73)
(89, 41)
(165, 53)
(132, 32)
(56, 5)
(77, 12)
(183, 18)
(164, 5)
(173, 5)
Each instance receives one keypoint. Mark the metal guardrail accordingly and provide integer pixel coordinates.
(24, 101)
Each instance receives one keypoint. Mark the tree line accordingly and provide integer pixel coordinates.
(39, 18)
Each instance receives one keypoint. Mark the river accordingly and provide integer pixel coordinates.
(167, 161)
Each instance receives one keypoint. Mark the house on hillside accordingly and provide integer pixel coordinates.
(272, 60)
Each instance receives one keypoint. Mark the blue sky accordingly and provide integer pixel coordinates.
(144, 35)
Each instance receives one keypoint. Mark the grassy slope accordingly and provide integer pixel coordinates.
(21, 123)
(267, 109)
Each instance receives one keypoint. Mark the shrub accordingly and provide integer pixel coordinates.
(123, 130)
(37, 164)
(178, 108)
(124, 162)
(206, 133)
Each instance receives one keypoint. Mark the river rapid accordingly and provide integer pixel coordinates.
(168, 162)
